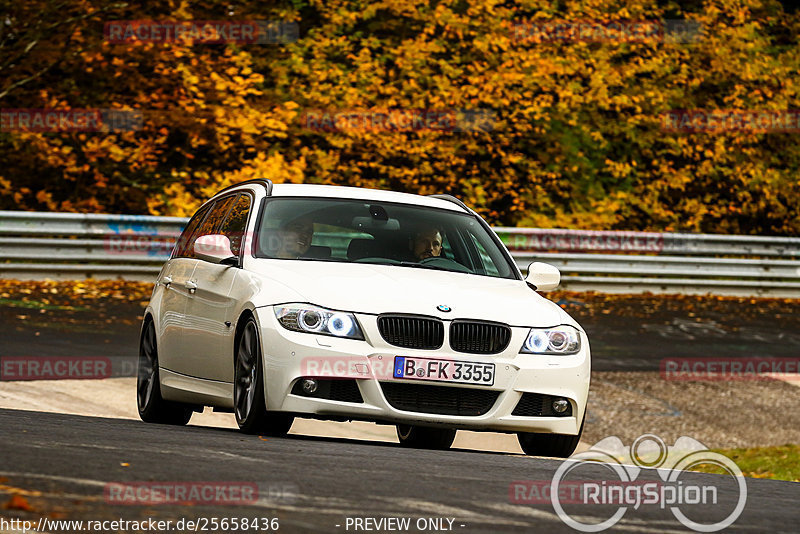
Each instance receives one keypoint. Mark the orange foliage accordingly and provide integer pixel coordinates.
(577, 140)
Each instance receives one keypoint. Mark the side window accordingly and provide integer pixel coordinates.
(181, 249)
(488, 264)
(235, 223)
(447, 248)
(212, 222)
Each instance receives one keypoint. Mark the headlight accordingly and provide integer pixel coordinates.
(562, 339)
(315, 320)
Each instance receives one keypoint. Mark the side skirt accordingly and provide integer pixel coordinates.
(193, 390)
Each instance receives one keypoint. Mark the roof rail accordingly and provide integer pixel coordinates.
(261, 181)
(454, 200)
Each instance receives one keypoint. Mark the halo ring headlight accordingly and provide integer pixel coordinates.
(310, 320)
(557, 340)
(340, 324)
(315, 320)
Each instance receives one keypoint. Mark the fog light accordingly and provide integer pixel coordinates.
(309, 386)
(560, 405)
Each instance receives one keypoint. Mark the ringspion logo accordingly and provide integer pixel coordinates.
(702, 504)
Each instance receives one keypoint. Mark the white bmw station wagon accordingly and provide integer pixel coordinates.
(283, 301)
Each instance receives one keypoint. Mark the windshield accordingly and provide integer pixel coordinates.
(355, 231)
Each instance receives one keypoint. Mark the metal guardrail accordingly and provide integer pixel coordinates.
(68, 246)
(36, 245)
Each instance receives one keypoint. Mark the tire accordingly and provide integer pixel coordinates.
(420, 437)
(152, 407)
(248, 388)
(555, 445)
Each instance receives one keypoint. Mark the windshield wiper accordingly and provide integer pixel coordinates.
(311, 258)
(423, 266)
(408, 264)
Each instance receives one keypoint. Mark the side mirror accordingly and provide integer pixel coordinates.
(215, 248)
(543, 276)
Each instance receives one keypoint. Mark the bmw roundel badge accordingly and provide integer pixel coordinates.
(443, 308)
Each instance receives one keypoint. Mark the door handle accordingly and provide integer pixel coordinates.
(191, 285)
(166, 281)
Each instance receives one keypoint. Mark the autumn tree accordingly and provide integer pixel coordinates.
(578, 137)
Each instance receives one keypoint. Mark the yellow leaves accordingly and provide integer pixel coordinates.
(577, 143)
(18, 502)
(273, 167)
(618, 169)
(155, 205)
(43, 197)
(5, 186)
(183, 11)
(175, 201)
(116, 153)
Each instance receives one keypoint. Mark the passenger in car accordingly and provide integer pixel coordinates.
(295, 238)
(426, 242)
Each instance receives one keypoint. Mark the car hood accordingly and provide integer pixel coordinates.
(376, 289)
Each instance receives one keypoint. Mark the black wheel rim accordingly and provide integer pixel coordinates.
(148, 363)
(246, 368)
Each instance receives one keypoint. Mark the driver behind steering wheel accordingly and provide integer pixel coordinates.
(425, 243)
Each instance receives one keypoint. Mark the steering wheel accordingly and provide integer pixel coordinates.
(430, 259)
(445, 263)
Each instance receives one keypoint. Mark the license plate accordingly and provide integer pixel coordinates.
(444, 370)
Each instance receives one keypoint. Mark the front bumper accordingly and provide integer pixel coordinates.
(291, 356)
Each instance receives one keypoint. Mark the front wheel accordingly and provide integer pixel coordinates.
(420, 437)
(152, 407)
(555, 445)
(248, 390)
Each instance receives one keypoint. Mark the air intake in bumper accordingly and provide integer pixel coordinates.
(538, 405)
(342, 390)
(439, 400)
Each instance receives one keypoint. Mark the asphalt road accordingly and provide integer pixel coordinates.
(619, 340)
(64, 464)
